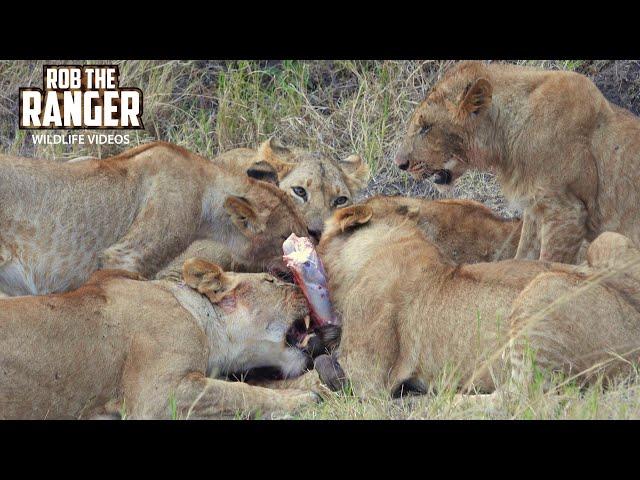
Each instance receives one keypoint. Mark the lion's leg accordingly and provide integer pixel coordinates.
(541, 335)
(529, 245)
(200, 397)
(154, 237)
(309, 381)
(562, 227)
(565, 330)
(326, 377)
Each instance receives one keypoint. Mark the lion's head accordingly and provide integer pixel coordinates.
(264, 320)
(317, 184)
(446, 132)
(265, 217)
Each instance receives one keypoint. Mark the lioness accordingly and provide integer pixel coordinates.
(316, 183)
(59, 222)
(410, 314)
(146, 349)
(557, 145)
(465, 230)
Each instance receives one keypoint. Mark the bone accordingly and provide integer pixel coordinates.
(309, 274)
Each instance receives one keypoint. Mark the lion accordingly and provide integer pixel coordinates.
(412, 316)
(316, 183)
(120, 346)
(558, 147)
(136, 211)
(465, 230)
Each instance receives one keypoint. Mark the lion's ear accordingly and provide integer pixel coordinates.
(476, 97)
(207, 278)
(276, 155)
(263, 171)
(243, 215)
(354, 215)
(356, 171)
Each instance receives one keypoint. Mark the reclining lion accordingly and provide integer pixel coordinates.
(465, 230)
(557, 145)
(136, 211)
(146, 349)
(410, 314)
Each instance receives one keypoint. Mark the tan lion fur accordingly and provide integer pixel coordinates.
(326, 182)
(466, 231)
(59, 222)
(557, 145)
(410, 314)
(119, 345)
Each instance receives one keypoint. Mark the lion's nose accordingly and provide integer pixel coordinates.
(315, 234)
(401, 161)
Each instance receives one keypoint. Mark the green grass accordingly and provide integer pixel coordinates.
(339, 107)
(621, 401)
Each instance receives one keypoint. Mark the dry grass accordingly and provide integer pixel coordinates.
(338, 107)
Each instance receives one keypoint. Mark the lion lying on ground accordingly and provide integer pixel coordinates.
(466, 231)
(411, 315)
(316, 183)
(59, 222)
(146, 349)
(557, 145)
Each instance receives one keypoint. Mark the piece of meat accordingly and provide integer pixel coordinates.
(308, 272)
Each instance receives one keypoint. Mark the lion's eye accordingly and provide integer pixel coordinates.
(301, 192)
(340, 201)
(425, 129)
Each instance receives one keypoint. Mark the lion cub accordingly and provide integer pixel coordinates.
(410, 313)
(316, 184)
(147, 349)
(465, 230)
(557, 145)
(136, 211)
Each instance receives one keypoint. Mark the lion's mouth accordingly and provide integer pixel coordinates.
(419, 170)
(442, 177)
(299, 332)
(312, 338)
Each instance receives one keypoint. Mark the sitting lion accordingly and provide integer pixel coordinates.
(557, 145)
(410, 313)
(136, 211)
(151, 349)
(316, 183)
